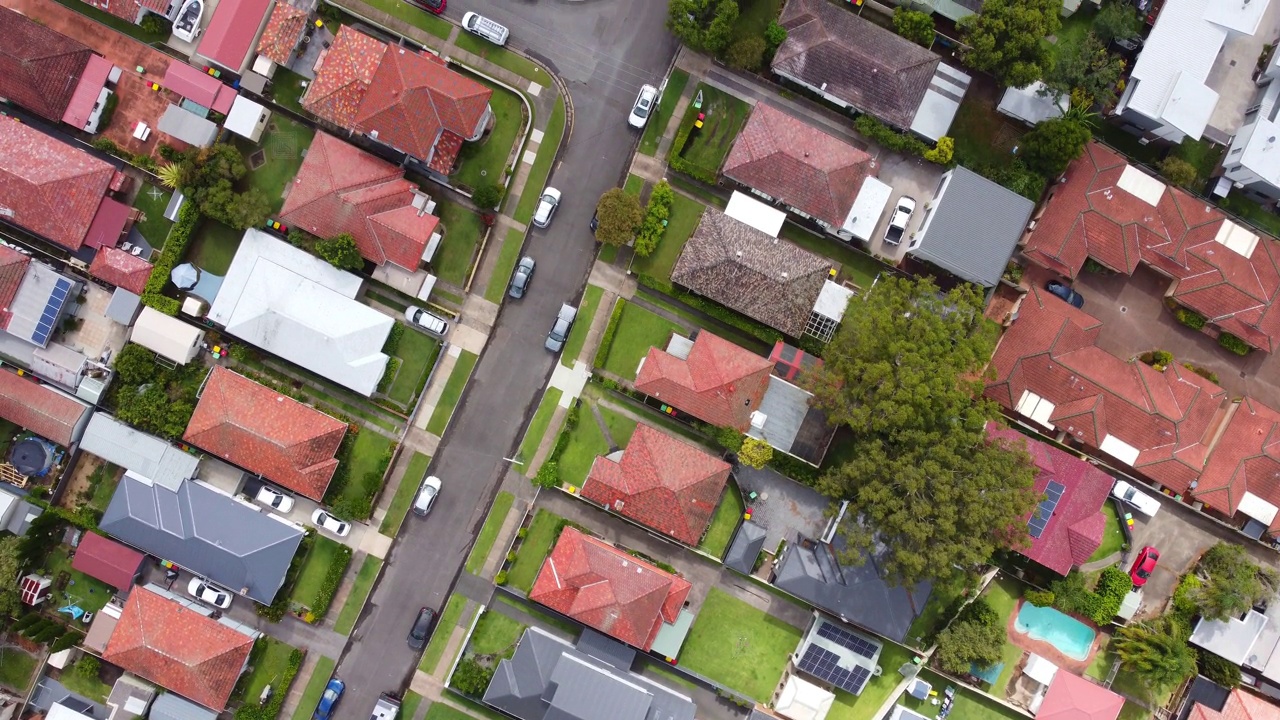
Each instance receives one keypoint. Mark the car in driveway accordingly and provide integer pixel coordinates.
(1143, 566)
(432, 6)
(427, 495)
(421, 629)
(275, 499)
(642, 108)
(325, 521)
(898, 221)
(521, 278)
(547, 205)
(211, 594)
(1125, 491)
(561, 327)
(1068, 295)
(329, 700)
(428, 321)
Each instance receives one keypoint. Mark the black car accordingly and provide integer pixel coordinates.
(422, 628)
(1068, 295)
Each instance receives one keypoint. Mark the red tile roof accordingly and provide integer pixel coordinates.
(267, 433)
(1170, 417)
(1091, 215)
(107, 228)
(39, 408)
(1072, 697)
(343, 189)
(662, 482)
(199, 87)
(1240, 705)
(605, 588)
(13, 268)
(39, 66)
(343, 76)
(1075, 529)
(121, 269)
(798, 164)
(47, 186)
(281, 35)
(178, 649)
(230, 33)
(107, 560)
(1246, 459)
(719, 383)
(88, 88)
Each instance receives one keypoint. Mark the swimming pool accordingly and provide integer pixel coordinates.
(1070, 636)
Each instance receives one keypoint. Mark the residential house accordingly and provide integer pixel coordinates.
(410, 101)
(661, 482)
(299, 307)
(42, 409)
(1072, 697)
(16, 512)
(276, 437)
(34, 299)
(172, 707)
(1250, 163)
(1192, 78)
(179, 648)
(40, 67)
(837, 657)
(548, 678)
(145, 456)
(860, 66)
(282, 34)
(1110, 212)
(119, 566)
(1238, 705)
(343, 189)
(1250, 641)
(1068, 524)
(232, 32)
(606, 588)
(791, 162)
(971, 227)
(121, 269)
(199, 87)
(1238, 483)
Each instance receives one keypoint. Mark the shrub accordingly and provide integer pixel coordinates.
(1219, 670)
(755, 453)
(175, 247)
(1113, 585)
(1207, 374)
(109, 107)
(943, 152)
(914, 25)
(677, 161)
(774, 35)
(87, 666)
(488, 196)
(606, 340)
(1178, 171)
(511, 556)
(1013, 272)
(392, 345)
(470, 677)
(655, 219)
(888, 137)
(1161, 358)
(389, 375)
(1039, 598)
(1234, 344)
(500, 578)
(728, 438)
(795, 468)
(746, 54)
(548, 475)
(106, 146)
(66, 642)
(522, 533)
(153, 24)
(1191, 319)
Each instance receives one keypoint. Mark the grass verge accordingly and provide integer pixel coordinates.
(501, 57)
(541, 169)
(508, 256)
(452, 392)
(449, 618)
(578, 335)
(360, 590)
(413, 475)
(489, 531)
(315, 688)
(538, 428)
(415, 16)
(666, 107)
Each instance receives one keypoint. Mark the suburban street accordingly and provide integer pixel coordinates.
(603, 50)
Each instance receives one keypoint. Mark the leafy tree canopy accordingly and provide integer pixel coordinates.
(1007, 39)
(1117, 21)
(341, 252)
(1156, 652)
(913, 25)
(703, 24)
(618, 215)
(1053, 144)
(1232, 582)
(1086, 65)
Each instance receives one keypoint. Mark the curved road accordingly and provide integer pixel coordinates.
(603, 50)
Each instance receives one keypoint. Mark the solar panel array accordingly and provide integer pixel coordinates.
(52, 309)
(1044, 511)
(844, 638)
(824, 665)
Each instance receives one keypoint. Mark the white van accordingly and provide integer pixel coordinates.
(490, 30)
(430, 322)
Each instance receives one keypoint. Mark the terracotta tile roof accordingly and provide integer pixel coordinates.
(799, 164)
(39, 66)
(253, 426)
(178, 649)
(719, 382)
(344, 76)
(767, 279)
(1240, 705)
(605, 588)
(282, 33)
(1170, 417)
(38, 408)
(13, 268)
(1071, 697)
(121, 269)
(662, 482)
(47, 186)
(860, 62)
(1075, 529)
(107, 560)
(1246, 459)
(1092, 215)
(343, 189)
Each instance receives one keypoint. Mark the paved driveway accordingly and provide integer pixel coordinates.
(783, 506)
(910, 176)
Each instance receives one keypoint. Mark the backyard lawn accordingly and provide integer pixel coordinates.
(90, 686)
(1002, 595)
(281, 149)
(413, 475)
(638, 330)
(315, 687)
(754, 17)
(415, 16)
(152, 201)
(366, 465)
(503, 269)
(452, 392)
(538, 428)
(983, 136)
(287, 88)
(724, 522)
(214, 246)
(1112, 536)
(541, 169)
(489, 531)
(360, 589)
(578, 335)
(534, 549)
(496, 634)
(484, 161)
(89, 593)
(445, 626)
(877, 690)
(462, 235)
(16, 669)
(684, 219)
(724, 117)
(662, 115)
(324, 552)
(968, 705)
(269, 664)
(739, 646)
(417, 352)
(586, 441)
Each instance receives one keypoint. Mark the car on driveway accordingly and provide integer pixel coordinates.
(428, 321)
(432, 6)
(329, 700)
(1132, 496)
(275, 499)
(643, 107)
(561, 327)
(204, 592)
(328, 522)
(898, 222)
(1069, 296)
(521, 278)
(547, 205)
(421, 629)
(1144, 565)
(427, 495)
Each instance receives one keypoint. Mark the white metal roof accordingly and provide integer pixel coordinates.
(1029, 105)
(244, 116)
(166, 336)
(187, 127)
(1141, 185)
(1119, 449)
(1182, 45)
(833, 300)
(1040, 670)
(1242, 241)
(941, 102)
(1261, 149)
(1035, 407)
(1257, 508)
(295, 305)
(1241, 16)
(802, 700)
(867, 208)
(1190, 105)
(746, 209)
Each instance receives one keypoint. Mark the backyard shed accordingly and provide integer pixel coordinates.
(1032, 104)
(187, 127)
(166, 336)
(107, 560)
(247, 118)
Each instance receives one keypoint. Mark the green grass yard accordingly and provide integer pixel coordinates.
(91, 687)
(440, 711)
(360, 589)
(214, 246)
(413, 475)
(484, 162)
(445, 626)
(638, 330)
(16, 669)
(1003, 595)
(586, 441)
(578, 335)
(502, 57)
(724, 117)
(489, 531)
(324, 552)
(662, 115)
(877, 690)
(541, 169)
(968, 705)
(366, 458)
(724, 522)
(1112, 536)
(415, 16)
(533, 550)
(538, 429)
(287, 88)
(684, 219)
(152, 200)
(754, 17)
(282, 147)
(409, 705)
(452, 392)
(269, 662)
(417, 352)
(853, 264)
(496, 634)
(634, 185)
(89, 593)
(503, 269)
(983, 136)
(463, 229)
(738, 646)
(315, 688)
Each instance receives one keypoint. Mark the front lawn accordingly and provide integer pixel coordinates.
(484, 161)
(214, 246)
(496, 634)
(739, 646)
(324, 553)
(463, 229)
(684, 219)
(638, 330)
(541, 169)
(268, 665)
(877, 690)
(505, 267)
(586, 442)
(538, 428)
(415, 16)
(409, 484)
(452, 392)
(315, 686)
(80, 589)
(489, 531)
(578, 335)
(724, 117)
(152, 201)
(724, 522)
(535, 547)
(368, 462)
(282, 147)
(417, 352)
(1112, 536)
(359, 594)
(659, 118)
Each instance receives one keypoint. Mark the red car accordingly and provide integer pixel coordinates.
(1144, 566)
(431, 6)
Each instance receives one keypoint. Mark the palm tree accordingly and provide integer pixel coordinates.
(170, 175)
(1156, 653)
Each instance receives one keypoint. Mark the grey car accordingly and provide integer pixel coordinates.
(561, 327)
(521, 277)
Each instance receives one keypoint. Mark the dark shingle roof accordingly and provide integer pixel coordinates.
(745, 548)
(860, 62)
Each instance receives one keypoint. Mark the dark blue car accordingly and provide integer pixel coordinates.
(328, 701)
(1068, 295)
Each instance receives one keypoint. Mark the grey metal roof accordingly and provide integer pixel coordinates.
(206, 532)
(171, 707)
(49, 691)
(187, 127)
(145, 455)
(784, 406)
(604, 648)
(584, 690)
(973, 227)
(857, 594)
(745, 548)
(124, 306)
(129, 697)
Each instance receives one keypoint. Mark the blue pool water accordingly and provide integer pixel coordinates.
(1070, 636)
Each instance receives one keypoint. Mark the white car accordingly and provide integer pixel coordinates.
(898, 223)
(328, 522)
(643, 107)
(1131, 495)
(204, 592)
(547, 205)
(275, 499)
(427, 495)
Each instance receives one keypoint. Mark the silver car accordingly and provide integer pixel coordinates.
(521, 278)
(547, 205)
(561, 327)
(643, 107)
(427, 495)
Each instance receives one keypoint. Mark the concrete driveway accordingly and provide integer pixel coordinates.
(909, 176)
(782, 506)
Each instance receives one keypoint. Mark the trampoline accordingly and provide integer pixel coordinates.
(31, 457)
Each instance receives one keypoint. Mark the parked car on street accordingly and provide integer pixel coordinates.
(421, 629)
(1144, 565)
(521, 278)
(561, 327)
(1069, 296)
(898, 222)
(490, 30)
(325, 521)
(426, 496)
(642, 108)
(547, 205)
(432, 6)
(329, 700)
(1132, 496)
(206, 593)
(275, 499)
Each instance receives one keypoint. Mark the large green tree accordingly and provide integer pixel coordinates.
(10, 568)
(1006, 39)
(341, 252)
(703, 24)
(1086, 65)
(1117, 21)
(1053, 144)
(1156, 652)
(903, 373)
(1232, 582)
(618, 214)
(975, 638)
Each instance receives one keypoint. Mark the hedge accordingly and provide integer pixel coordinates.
(655, 219)
(1191, 319)
(337, 570)
(606, 340)
(174, 249)
(889, 137)
(388, 375)
(677, 161)
(251, 710)
(1234, 344)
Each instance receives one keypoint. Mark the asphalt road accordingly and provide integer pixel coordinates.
(604, 50)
